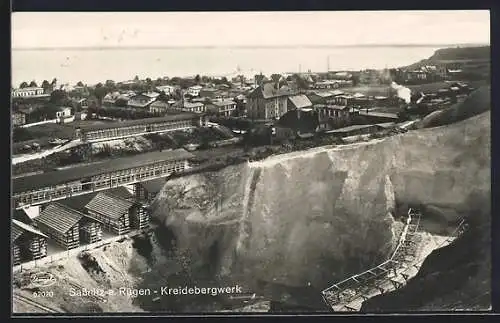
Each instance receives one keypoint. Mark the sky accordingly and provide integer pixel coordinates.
(233, 29)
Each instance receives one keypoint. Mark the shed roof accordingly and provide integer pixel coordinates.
(30, 88)
(18, 228)
(78, 202)
(59, 217)
(120, 124)
(300, 101)
(351, 128)
(33, 182)
(109, 205)
(387, 124)
(379, 114)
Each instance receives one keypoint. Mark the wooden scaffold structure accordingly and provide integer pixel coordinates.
(383, 278)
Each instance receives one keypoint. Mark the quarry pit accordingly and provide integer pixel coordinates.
(287, 227)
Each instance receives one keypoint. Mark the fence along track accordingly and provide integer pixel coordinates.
(335, 295)
(35, 304)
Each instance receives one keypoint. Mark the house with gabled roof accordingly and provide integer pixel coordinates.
(268, 102)
(117, 214)
(68, 227)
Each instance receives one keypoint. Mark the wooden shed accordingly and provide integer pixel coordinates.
(68, 227)
(112, 211)
(28, 243)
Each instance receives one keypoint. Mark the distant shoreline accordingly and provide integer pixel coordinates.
(243, 47)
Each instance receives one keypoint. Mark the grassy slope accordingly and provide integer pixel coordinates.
(455, 54)
(478, 102)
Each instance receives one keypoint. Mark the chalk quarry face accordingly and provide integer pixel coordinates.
(311, 218)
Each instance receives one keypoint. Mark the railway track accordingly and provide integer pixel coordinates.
(385, 276)
(31, 302)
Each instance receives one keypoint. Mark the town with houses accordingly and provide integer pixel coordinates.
(88, 160)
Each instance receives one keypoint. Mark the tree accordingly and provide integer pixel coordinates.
(45, 85)
(136, 78)
(54, 82)
(177, 95)
(100, 92)
(58, 97)
(121, 102)
(33, 84)
(185, 83)
(23, 85)
(110, 84)
(275, 78)
(80, 83)
(163, 96)
(355, 80)
(159, 81)
(175, 80)
(301, 83)
(197, 79)
(259, 78)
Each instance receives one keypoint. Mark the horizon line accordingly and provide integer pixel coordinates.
(246, 46)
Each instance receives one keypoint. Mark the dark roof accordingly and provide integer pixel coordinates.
(79, 202)
(59, 217)
(18, 228)
(170, 117)
(121, 191)
(155, 185)
(352, 128)
(268, 90)
(28, 183)
(379, 114)
(109, 205)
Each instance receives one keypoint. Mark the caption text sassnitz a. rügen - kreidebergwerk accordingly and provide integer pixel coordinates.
(162, 291)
